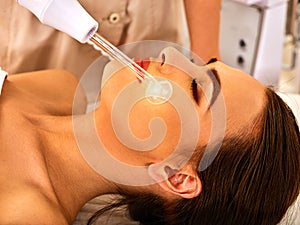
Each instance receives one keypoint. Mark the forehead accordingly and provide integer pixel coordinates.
(244, 96)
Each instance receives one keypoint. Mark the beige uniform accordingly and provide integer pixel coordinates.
(28, 45)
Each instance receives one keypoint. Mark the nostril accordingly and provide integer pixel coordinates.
(163, 58)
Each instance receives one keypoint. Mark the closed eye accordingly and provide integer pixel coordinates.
(194, 89)
(215, 79)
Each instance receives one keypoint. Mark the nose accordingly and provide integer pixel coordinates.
(170, 60)
(179, 60)
(172, 56)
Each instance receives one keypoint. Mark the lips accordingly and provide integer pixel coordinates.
(142, 63)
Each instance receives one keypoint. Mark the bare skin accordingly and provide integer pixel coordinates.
(42, 173)
(28, 195)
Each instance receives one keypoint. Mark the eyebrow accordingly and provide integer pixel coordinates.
(215, 78)
(214, 71)
(216, 87)
(212, 60)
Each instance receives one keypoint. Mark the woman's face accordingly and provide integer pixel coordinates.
(241, 94)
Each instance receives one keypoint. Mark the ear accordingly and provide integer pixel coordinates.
(185, 182)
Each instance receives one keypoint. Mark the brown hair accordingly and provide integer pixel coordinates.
(252, 181)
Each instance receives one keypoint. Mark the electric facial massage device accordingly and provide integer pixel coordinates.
(71, 18)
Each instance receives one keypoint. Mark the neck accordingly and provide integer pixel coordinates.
(73, 181)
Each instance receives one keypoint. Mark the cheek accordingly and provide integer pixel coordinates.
(205, 128)
(143, 112)
(114, 84)
(163, 117)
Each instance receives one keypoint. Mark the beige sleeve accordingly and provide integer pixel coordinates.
(28, 45)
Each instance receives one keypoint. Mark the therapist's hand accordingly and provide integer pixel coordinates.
(203, 18)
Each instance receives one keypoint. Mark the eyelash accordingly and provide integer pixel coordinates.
(194, 85)
(194, 90)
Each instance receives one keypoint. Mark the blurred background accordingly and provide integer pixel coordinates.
(262, 38)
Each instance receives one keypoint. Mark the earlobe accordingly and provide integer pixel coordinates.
(184, 183)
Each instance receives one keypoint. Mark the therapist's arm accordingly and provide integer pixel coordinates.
(203, 18)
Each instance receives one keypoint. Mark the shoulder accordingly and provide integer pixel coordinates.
(29, 207)
(55, 89)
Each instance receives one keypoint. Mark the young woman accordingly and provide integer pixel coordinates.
(48, 172)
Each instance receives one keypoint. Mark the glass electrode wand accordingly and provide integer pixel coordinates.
(107, 48)
(71, 18)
